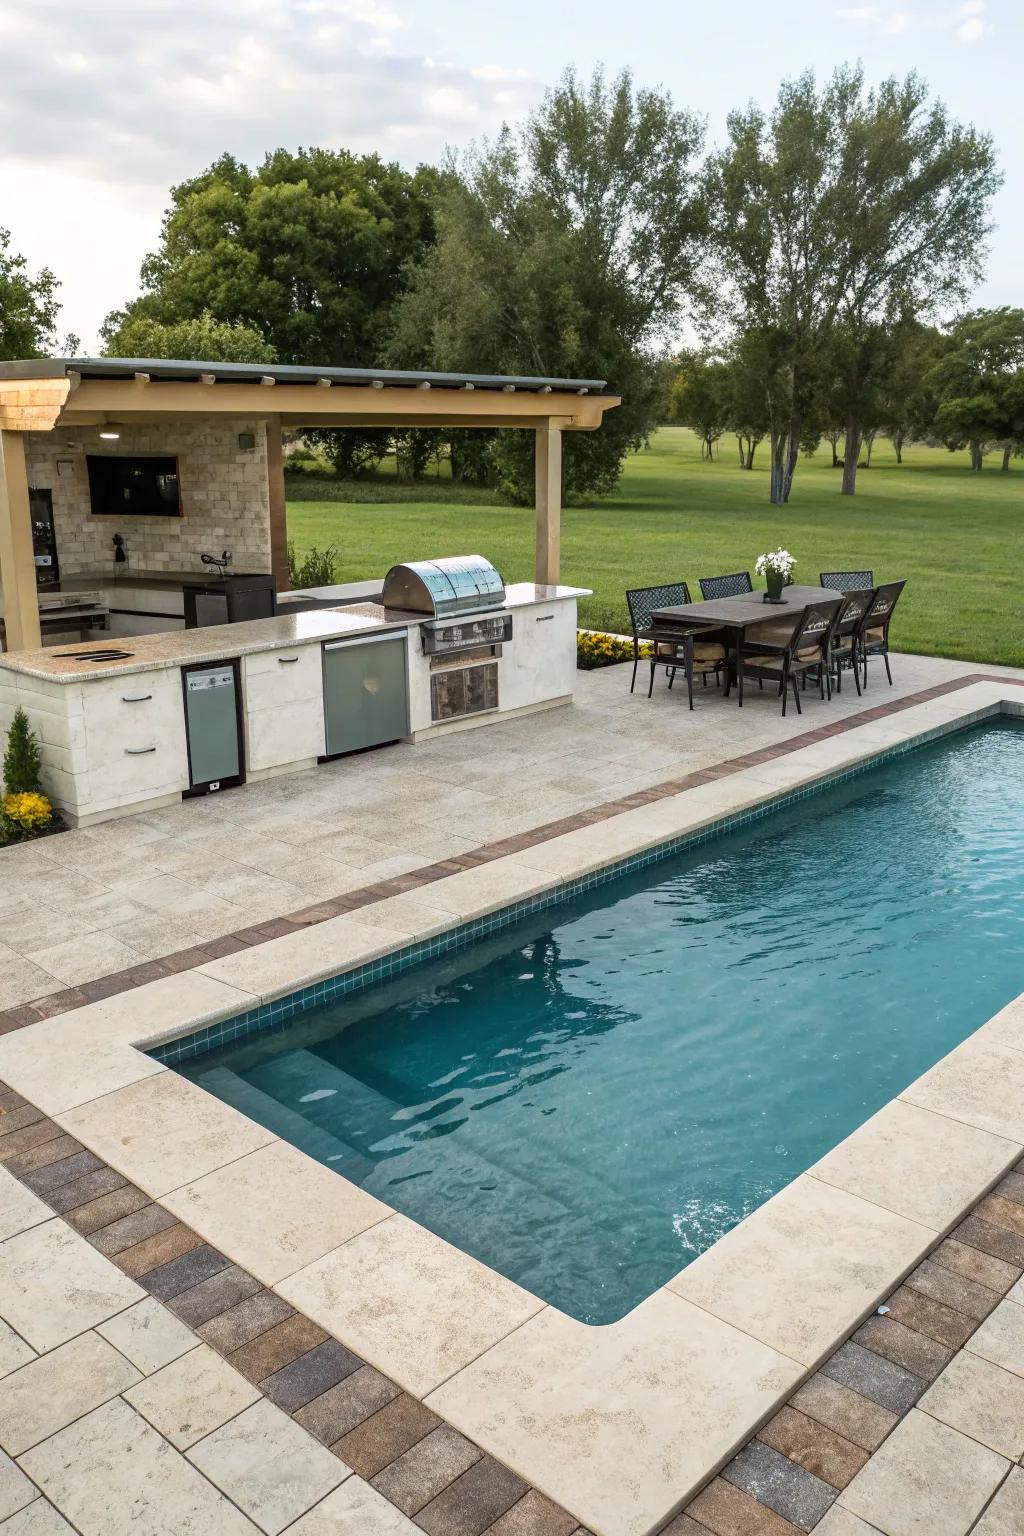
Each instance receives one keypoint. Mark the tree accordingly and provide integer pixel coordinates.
(310, 249)
(28, 306)
(23, 764)
(566, 249)
(202, 337)
(979, 384)
(844, 205)
(700, 399)
(909, 405)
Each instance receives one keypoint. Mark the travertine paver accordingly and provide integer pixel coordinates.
(15, 1488)
(19, 1207)
(926, 1480)
(164, 1131)
(355, 1507)
(148, 1335)
(803, 1270)
(192, 1396)
(83, 1471)
(268, 1465)
(1001, 1338)
(53, 1285)
(982, 1401)
(411, 1304)
(13, 1350)
(60, 1386)
(1005, 1514)
(276, 1210)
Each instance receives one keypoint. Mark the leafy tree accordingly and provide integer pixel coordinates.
(201, 337)
(909, 405)
(700, 399)
(28, 306)
(567, 249)
(310, 249)
(979, 384)
(842, 206)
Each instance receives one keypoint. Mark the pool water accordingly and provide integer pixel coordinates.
(588, 1099)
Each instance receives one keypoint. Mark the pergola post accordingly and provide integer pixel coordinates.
(17, 566)
(278, 509)
(548, 501)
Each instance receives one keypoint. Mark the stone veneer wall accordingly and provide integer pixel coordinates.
(224, 496)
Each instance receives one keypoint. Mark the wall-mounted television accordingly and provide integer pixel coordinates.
(123, 486)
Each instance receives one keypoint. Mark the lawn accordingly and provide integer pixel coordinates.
(956, 536)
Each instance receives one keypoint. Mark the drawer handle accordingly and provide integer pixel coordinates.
(138, 751)
(545, 618)
(286, 661)
(135, 698)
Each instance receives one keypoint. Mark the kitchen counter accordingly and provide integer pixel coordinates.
(182, 647)
(113, 741)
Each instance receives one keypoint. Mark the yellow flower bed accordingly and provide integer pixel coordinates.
(600, 650)
(29, 812)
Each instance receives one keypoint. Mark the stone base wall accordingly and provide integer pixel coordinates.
(225, 498)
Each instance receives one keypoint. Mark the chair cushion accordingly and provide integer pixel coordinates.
(809, 653)
(769, 663)
(875, 634)
(774, 632)
(705, 652)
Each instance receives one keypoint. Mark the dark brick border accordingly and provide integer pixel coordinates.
(336, 906)
(406, 1452)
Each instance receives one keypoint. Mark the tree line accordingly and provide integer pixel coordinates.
(813, 252)
(960, 385)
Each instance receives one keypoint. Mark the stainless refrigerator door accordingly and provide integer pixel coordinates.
(211, 712)
(365, 693)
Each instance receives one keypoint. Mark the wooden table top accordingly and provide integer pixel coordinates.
(747, 609)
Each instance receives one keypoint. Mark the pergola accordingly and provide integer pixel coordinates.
(42, 394)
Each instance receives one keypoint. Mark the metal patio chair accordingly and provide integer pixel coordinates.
(807, 651)
(695, 648)
(847, 581)
(848, 635)
(875, 641)
(725, 586)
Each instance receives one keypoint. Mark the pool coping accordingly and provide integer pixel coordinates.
(622, 1424)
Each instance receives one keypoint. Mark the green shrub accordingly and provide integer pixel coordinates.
(318, 567)
(22, 762)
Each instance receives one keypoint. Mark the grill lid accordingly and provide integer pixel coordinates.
(460, 584)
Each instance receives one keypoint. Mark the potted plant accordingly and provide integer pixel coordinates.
(777, 568)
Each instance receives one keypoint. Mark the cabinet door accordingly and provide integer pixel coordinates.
(365, 693)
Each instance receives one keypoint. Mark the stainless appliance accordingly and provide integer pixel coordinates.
(443, 588)
(366, 693)
(463, 632)
(44, 538)
(213, 726)
(230, 600)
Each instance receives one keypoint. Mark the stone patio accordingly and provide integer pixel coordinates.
(124, 896)
(151, 1384)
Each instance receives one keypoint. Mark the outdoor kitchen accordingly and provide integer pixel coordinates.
(149, 632)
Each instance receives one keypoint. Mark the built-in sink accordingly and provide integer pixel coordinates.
(95, 655)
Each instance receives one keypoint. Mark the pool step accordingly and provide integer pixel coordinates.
(290, 1125)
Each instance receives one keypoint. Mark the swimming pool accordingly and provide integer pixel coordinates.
(587, 1099)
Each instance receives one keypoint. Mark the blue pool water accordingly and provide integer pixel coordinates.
(589, 1098)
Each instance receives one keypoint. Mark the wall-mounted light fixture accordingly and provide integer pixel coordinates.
(247, 441)
(109, 435)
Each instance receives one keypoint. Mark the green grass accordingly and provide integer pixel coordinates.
(956, 536)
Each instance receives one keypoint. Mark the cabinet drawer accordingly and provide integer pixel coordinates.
(271, 679)
(135, 736)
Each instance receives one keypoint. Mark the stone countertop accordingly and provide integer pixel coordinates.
(222, 642)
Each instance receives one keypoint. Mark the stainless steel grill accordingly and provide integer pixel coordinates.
(443, 588)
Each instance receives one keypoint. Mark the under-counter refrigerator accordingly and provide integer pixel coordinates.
(366, 698)
(213, 726)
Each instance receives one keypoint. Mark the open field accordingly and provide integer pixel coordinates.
(956, 536)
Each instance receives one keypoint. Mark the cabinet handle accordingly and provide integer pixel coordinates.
(138, 751)
(286, 661)
(135, 698)
(545, 618)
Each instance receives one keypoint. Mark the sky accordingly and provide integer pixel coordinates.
(103, 107)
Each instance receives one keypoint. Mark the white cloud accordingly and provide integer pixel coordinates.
(971, 21)
(103, 107)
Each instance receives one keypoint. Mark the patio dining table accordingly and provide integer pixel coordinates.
(739, 614)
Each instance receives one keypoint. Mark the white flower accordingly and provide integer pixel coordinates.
(778, 561)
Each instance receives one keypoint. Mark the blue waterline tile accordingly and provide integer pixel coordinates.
(276, 1015)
